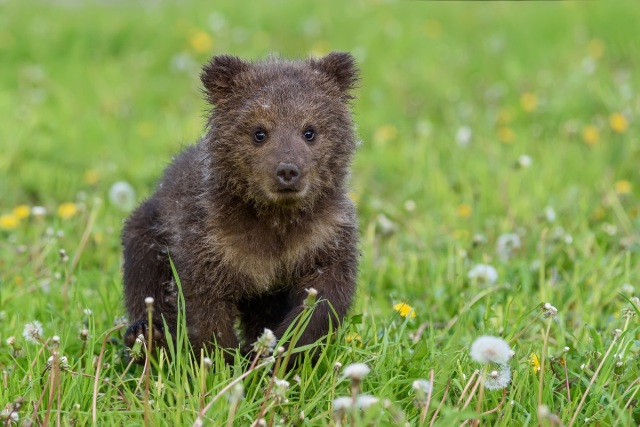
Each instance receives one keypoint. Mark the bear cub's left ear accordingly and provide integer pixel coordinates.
(218, 76)
(341, 67)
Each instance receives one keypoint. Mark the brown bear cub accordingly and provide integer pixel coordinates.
(256, 212)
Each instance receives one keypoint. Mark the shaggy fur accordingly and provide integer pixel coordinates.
(251, 224)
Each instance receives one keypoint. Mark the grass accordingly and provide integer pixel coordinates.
(451, 97)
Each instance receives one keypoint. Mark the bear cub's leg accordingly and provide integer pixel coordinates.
(147, 273)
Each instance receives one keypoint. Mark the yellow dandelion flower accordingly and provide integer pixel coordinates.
(529, 102)
(618, 122)
(596, 48)
(590, 135)
(9, 222)
(98, 237)
(385, 133)
(506, 135)
(405, 310)
(67, 210)
(464, 211)
(201, 42)
(354, 337)
(535, 362)
(623, 186)
(91, 177)
(21, 211)
(18, 280)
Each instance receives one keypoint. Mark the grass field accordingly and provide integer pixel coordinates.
(504, 135)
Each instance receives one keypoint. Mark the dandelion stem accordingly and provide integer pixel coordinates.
(425, 408)
(435, 414)
(545, 341)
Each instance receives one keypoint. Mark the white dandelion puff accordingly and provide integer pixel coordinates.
(463, 136)
(122, 195)
(265, 343)
(364, 401)
(33, 332)
(492, 349)
(356, 371)
(483, 273)
(498, 379)
(506, 245)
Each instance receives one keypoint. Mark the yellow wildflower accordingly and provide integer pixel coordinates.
(67, 210)
(9, 221)
(535, 362)
(529, 102)
(623, 186)
(22, 211)
(405, 310)
(201, 42)
(18, 280)
(354, 337)
(464, 211)
(506, 135)
(618, 122)
(385, 133)
(590, 135)
(91, 177)
(596, 48)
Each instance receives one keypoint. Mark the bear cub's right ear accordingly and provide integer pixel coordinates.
(218, 76)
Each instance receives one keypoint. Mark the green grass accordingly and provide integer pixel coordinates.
(104, 92)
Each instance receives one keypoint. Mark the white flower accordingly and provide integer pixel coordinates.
(33, 332)
(364, 401)
(422, 388)
(356, 371)
(506, 245)
(483, 273)
(341, 404)
(463, 136)
(524, 161)
(490, 349)
(499, 379)
(38, 211)
(87, 312)
(550, 214)
(122, 195)
(549, 310)
(265, 343)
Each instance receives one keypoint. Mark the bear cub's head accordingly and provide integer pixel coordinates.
(280, 134)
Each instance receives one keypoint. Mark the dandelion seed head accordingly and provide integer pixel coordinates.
(265, 343)
(483, 273)
(524, 161)
(33, 332)
(340, 404)
(492, 349)
(122, 195)
(364, 401)
(463, 136)
(356, 371)
(498, 379)
(506, 245)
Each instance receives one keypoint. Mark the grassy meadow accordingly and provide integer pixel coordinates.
(498, 187)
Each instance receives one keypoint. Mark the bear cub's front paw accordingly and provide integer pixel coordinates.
(141, 328)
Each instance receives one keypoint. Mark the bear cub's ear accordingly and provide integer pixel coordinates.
(340, 67)
(218, 76)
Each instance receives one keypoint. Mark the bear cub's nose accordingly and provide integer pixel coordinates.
(287, 174)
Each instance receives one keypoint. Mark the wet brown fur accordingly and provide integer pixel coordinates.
(244, 247)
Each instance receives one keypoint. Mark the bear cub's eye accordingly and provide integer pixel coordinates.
(259, 136)
(309, 134)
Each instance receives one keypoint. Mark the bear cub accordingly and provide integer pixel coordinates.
(254, 213)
